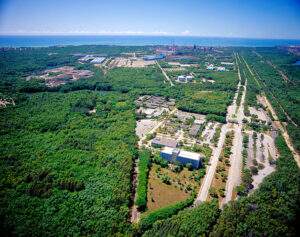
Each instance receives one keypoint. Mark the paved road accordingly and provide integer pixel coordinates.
(202, 195)
(165, 74)
(236, 158)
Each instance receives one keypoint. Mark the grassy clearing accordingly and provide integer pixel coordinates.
(161, 194)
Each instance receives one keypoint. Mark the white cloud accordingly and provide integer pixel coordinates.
(186, 32)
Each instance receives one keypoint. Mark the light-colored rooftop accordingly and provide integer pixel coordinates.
(189, 155)
(167, 150)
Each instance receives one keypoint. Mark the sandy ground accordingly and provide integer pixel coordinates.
(139, 62)
(260, 113)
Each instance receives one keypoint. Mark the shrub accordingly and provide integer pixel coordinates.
(240, 190)
(253, 170)
(189, 166)
(144, 167)
(166, 179)
(261, 166)
(212, 191)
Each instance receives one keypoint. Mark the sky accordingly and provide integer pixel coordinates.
(275, 19)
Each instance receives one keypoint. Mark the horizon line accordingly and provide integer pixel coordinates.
(152, 35)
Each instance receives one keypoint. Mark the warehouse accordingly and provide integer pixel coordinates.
(173, 154)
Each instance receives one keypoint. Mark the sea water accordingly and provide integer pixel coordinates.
(41, 41)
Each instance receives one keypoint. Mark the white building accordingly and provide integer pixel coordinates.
(185, 65)
(189, 78)
(221, 69)
(226, 63)
(184, 157)
(210, 67)
(181, 78)
(174, 63)
(98, 60)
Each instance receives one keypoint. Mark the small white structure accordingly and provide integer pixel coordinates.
(181, 78)
(210, 67)
(184, 157)
(189, 78)
(226, 63)
(174, 63)
(221, 69)
(98, 60)
(199, 121)
(185, 65)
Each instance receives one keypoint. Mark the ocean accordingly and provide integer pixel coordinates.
(43, 41)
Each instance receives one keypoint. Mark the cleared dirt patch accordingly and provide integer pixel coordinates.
(203, 92)
(160, 194)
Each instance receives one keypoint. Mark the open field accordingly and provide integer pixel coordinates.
(166, 194)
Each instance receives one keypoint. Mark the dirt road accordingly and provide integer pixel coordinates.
(165, 74)
(278, 125)
(134, 213)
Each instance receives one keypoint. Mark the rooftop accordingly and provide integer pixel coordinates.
(194, 130)
(167, 150)
(189, 155)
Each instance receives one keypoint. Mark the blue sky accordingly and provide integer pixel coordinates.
(224, 18)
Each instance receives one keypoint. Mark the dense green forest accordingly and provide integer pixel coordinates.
(64, 172)
(192, 222)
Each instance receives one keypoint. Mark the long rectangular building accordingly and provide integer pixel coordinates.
(173, 154)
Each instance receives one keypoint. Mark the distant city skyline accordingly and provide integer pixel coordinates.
(273, 19)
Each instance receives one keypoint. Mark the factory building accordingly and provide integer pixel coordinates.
(181, 78)
(173, 154)
(189, 78)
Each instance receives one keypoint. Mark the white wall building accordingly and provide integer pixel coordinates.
(189, 78)
(184, 157)
(181, 78)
